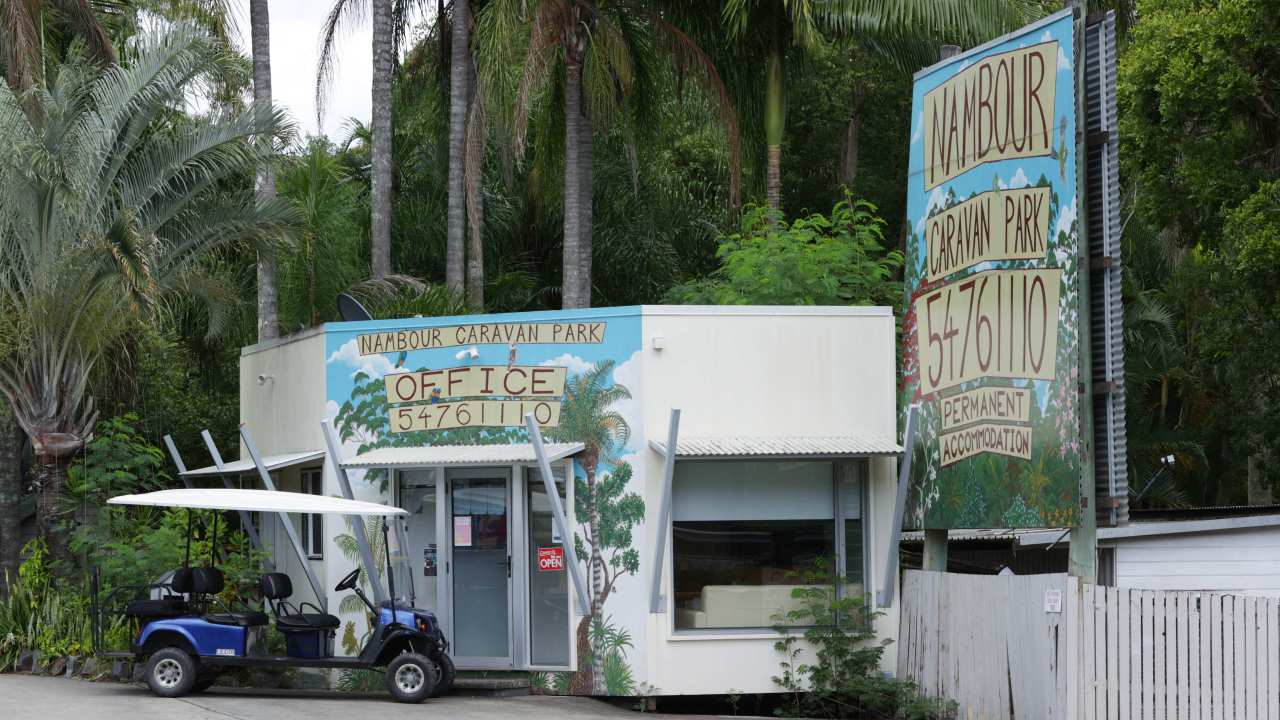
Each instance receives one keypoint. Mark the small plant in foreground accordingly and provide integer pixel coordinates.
(831, 658)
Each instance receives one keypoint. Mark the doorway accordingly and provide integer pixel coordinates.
(488, 564)
(479, 503)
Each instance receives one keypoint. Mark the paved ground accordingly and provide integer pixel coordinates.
(24, 697)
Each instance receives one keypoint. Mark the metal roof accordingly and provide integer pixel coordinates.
(781, 447)
(1167, 527)
(272, 462)
(979, 535)
(256, 501)
(434, 455)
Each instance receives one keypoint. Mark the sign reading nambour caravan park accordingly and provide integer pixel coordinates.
(991, 340)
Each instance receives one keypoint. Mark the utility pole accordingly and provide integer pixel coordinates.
(1082, 561)
(935, 541)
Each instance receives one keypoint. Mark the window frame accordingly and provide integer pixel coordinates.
(311, 482)
(861, 472)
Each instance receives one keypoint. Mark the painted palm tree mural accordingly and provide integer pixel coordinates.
(605, 511)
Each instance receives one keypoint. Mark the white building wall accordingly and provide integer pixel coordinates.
(762, 371)
(1238, 561)
(282, 414)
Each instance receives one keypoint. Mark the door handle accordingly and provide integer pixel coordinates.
(506, 562)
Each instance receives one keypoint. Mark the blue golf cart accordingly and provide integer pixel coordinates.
(187, 637)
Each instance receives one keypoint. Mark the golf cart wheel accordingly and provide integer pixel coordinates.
(445, 673)
(171, 672)
(411, 677)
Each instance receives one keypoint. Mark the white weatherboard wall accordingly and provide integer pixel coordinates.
(756, 371)
(1232, 560)
(282, 414)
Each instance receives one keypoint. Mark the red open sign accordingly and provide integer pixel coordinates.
(550, 559)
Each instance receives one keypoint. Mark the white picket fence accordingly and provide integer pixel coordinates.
(994, 645)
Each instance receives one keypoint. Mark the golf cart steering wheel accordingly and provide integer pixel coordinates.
(349, 581)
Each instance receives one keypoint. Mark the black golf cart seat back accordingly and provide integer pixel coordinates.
(276, 588)
(169, 605)
(210, 581)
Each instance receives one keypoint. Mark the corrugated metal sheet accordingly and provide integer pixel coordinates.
(736, 446)
(428, 456)
(273, 462)
(1106, 310)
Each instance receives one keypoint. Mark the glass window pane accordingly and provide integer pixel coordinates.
(851, 474)
(742, 535)
(548, 579)
(418, 497)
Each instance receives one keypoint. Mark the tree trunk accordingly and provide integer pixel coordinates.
(476, 132)
(571, 283)
(849, 151)
(10, 497)
(459, 92)
(383, 66)
(774, 122)
(51, 478)
(268, 292)
(586, 152)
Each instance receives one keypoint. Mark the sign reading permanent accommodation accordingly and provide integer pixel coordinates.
(990, 334)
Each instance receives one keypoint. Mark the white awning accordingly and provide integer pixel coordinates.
(438, 455)
(255, 501)
(272, 462)
(781, 447)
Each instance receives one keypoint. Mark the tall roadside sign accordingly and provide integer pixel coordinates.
(996, 333)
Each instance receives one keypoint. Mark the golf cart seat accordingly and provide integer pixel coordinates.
(276, 587)
(210, 581)
(169, 605)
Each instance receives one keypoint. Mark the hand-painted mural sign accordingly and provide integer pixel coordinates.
(469, 381)
(990, 336)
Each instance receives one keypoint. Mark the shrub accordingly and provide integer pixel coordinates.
(843, 679)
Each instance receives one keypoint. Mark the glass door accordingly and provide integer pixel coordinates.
(479, 535)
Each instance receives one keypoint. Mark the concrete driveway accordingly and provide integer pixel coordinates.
(24, 697)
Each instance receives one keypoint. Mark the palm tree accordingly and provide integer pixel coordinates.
(603, 47)
(110, 200)
(10, 497)
(587, 416)
(908, 31)
(27, 27)
(390, 20)
(459, 89)
(268, 292)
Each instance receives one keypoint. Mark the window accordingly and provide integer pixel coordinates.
(313, 525)
(743, 531)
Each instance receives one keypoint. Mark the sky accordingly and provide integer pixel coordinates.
(295, 46)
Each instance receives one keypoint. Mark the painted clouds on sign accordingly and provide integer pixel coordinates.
(371, 365)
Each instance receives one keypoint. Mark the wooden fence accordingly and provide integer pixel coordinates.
(1000, 647)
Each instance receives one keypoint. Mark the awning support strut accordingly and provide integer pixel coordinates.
(245, 522)
(557, 509)
(657, 602)
(289, 529)
(884, 598)
(334, 446)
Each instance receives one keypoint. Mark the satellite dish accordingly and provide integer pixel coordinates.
(350, 309)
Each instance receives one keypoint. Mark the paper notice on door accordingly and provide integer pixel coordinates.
(462, 531)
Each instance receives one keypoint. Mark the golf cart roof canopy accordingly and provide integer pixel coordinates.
(255, 501)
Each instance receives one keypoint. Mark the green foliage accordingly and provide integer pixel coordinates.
(117, 461)
(814, 260)
(613, 641)
(831, 659)
(329, 251)
(1198, 96)
(37, 615)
